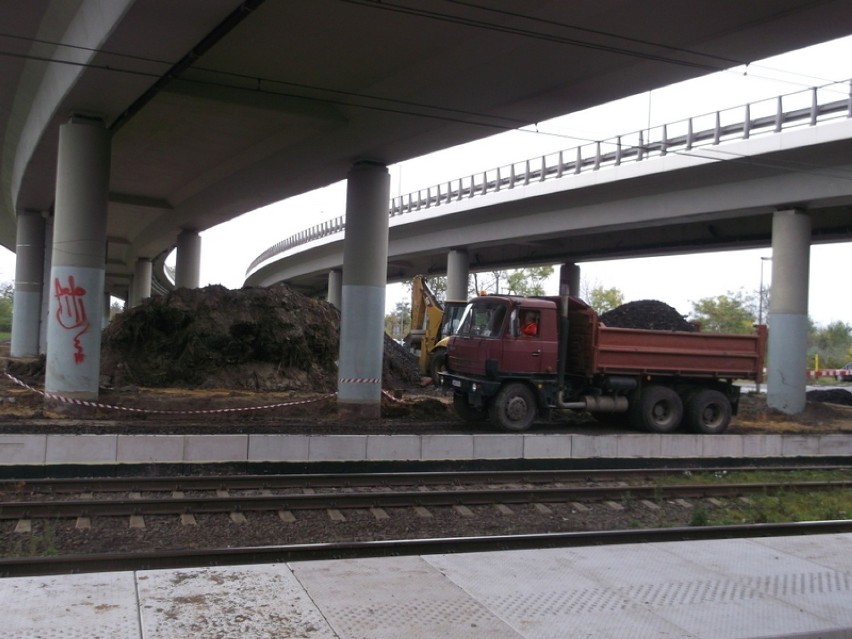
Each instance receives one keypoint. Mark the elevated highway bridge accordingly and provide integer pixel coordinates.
(708, 183)
(128, 127)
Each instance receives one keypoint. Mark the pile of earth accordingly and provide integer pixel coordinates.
(648, 314)
(831, 395)
(270, 339)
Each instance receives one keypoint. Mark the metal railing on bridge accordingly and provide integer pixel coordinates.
(774, 115)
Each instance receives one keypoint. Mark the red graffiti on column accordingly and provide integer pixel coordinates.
(71, 312)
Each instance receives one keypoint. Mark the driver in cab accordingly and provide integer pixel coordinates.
(529, 324)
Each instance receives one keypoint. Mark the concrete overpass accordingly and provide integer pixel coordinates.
(708, 183)
(129, 126)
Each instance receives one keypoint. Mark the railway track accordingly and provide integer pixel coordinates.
(282, 517)
(178, 503)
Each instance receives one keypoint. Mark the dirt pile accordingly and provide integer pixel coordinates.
(648, 314)
(270, 339)
(831, 395)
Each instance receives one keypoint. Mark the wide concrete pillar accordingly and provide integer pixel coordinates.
(335, 288)
(79, 252)
(788, 312)
(365, 263)
(188, 260)
(569, 279)
(140, 288)
(458, 273)
(29, 283)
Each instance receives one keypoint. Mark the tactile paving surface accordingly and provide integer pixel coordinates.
(395, 598)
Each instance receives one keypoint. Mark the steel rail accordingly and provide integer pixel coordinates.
(395, 499)
(174, 559)
(261, 482)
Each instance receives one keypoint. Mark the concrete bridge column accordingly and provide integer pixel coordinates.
(29, 284)
(569, 276)
(788, 311)
(335, 287)
(188, 261)
(140, 288)
(78, 264)
(45, 285)
(458, 272)
(365, 263)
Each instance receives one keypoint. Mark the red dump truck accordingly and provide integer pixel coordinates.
(498, 367)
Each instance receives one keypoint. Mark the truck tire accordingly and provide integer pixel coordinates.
(658, 409)
(514, 408)
(437, 364)
(467, 412)
(707, 411)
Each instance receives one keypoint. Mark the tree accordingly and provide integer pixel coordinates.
(833, 344)
(729, 313)
(526, 281)
(7, 296)
(398, 323)
(604, 299)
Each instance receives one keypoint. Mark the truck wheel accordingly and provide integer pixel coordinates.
(708, 411)
(467, 412)
(514, 407)
(657, 410)
(437, 364)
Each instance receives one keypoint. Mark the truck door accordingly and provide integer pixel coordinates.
(477, 346)
(522, 346)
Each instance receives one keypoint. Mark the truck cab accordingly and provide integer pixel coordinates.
(491, 347)
(490, 339)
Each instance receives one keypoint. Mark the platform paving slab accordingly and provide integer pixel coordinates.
(242, 602)
(92, 606)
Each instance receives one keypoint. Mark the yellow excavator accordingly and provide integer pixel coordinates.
(432, 323)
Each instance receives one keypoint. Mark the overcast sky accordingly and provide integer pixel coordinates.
(672, 280)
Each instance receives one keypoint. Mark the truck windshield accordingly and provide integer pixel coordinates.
(484, 319)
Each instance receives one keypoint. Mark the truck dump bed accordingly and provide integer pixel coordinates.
(596, 348)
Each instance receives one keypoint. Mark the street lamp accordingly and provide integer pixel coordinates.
(760, 294)
(763, 260)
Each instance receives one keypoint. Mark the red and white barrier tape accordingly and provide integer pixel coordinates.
(359, 380)
(82, 402)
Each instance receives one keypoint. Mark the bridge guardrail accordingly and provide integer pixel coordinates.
(809, 108)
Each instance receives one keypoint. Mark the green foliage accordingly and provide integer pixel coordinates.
(604, 299)
(729, 313)
(398, 323)
(832, 343)
(7, 295)
(527, 281)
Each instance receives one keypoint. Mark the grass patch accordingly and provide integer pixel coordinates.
(40, 543)
(781, 507)
(756, 477)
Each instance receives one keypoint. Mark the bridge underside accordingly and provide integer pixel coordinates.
(697, 208)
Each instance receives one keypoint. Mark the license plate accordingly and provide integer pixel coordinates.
(457, 383)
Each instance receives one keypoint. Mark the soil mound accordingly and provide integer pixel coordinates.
(831, 396)
(271, 339)
(647, 314)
